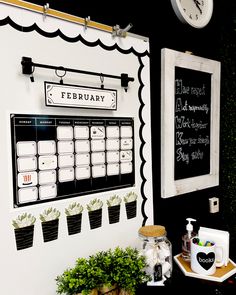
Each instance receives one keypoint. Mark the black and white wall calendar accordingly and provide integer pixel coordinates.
(58, 157)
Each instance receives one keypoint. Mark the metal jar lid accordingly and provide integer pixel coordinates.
(152, 231)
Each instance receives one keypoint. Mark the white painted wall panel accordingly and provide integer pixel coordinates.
(33, 270)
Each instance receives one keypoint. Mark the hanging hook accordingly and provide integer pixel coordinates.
(31, 75)
(86, 22)
(60, 76)
(102, 80)
(117, 31)
(45, 10)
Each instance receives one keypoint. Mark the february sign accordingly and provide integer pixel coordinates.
(63, 95)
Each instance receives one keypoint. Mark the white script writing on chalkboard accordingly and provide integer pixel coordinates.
(185, 122)
(184, 157)
(181, 156)
(191, 140)
(197, 155)
(182, 89)
(192, 122)
(180, 106)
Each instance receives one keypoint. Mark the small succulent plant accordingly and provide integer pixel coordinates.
(130, 197)
(94, 204)
(114, 200)
(23, 220)
(49, 214)
(74, 209)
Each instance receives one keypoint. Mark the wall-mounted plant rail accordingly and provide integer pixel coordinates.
(28, 67)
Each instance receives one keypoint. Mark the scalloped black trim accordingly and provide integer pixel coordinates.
(79, 38)
(142, 104)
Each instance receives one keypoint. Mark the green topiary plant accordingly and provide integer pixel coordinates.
(118, 268)
(87, 275)
(100, 272)
(129, 270)
(74, 280)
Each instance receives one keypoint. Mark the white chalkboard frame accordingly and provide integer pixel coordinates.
(171, 59)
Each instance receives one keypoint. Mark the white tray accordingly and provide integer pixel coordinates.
(221, 274)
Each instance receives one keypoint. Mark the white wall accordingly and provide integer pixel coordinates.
(33, 270)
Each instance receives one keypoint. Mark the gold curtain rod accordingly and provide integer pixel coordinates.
(58, 14)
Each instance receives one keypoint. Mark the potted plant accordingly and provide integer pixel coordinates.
(89, 276)
(24, 230)
(74, 218)
(76, 280)
(103, 265)
(106, 272)
(113, 204)
(95, 213)
(50, 222)
(131, 204)
(129, 272)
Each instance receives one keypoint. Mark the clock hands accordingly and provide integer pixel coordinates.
(197, 3)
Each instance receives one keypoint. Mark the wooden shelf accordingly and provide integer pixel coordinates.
(221, 274)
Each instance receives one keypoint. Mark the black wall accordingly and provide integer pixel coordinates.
(165, 30)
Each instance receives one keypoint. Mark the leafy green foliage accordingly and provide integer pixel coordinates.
(73, 280)
(121, 267)
(129, 270)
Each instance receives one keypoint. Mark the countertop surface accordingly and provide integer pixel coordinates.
(181, 284)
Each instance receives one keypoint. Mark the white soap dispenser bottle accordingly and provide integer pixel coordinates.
(186, 238)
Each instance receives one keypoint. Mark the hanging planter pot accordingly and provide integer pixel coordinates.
(24, 237)
(113, 204)
(131, 209)
(131, 205)
(50, 230)
(95, 213)
(95, 218)
(50, 224)
(114, 214)
(24, 231)
(74, 218)
(74, 224)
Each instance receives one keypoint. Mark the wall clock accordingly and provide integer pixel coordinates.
(196, 13)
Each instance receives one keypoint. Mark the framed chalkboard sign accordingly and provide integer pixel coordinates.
(190, 113)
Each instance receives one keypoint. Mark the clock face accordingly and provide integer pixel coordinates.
(197, 13)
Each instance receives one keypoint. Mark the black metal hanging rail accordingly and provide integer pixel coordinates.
(28, 67)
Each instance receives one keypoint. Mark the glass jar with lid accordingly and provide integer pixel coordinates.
(157, 249)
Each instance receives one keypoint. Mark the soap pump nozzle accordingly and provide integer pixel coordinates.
(189, 226)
